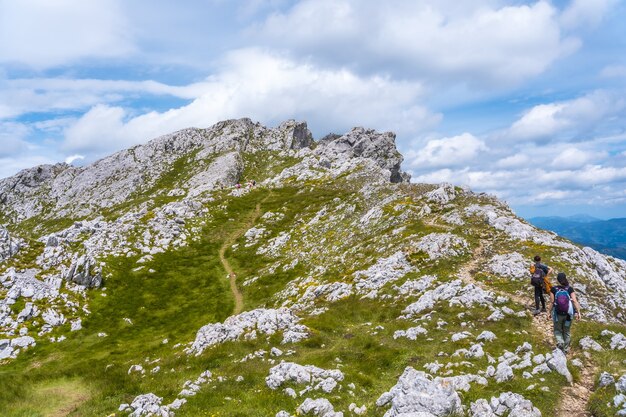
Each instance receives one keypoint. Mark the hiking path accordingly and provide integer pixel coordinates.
(230, 240)
(574, 398)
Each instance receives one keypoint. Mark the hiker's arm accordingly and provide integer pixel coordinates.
(576, 305)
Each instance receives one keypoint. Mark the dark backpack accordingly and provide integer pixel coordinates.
(562, 301)
(537, 276)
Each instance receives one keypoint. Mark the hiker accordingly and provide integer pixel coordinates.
(539, 272)
(564, 308)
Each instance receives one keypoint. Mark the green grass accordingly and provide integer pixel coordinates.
(189, 289)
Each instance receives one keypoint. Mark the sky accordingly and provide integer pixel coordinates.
(521, 99)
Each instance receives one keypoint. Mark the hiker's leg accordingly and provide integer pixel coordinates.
(543, 300)
(559, 333)
(567, 324)
(538, 295)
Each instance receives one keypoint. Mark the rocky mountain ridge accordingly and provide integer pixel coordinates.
(214, 155)
(361, 291)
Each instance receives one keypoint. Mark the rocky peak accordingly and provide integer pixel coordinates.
(30, 178)
(211, 156)
(297, 135)
(366, 143)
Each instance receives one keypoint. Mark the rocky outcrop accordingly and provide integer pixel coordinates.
(441, 245)
(417, 392)
(11, 348)
(558, 363)
(250, 324)
(211, 157)
(313, 377)
(455, 293)
(147, 405)
(320, 407)
(365, 143)
(385, 270)
(510, 265)
(442, 194)
(507, 403)
(9, 245)
(84, 271)
(110, 181)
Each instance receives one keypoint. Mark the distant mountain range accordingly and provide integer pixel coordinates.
(606, 236)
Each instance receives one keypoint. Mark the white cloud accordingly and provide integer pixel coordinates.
(571, 158)
(554, 195)
(613, 71)
(530, 186)
(540, 121)
(586, 12)
(13, 164)
(73, 158)
(514, 161)
(473, 42)
(22, 96)
(549, 120)
(452, 151)
(13, 138)
(44, 34)
(271, 90)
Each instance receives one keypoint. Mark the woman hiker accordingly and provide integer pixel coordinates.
(564, 307)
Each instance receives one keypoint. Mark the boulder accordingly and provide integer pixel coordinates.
(605, 379)
(558, 363)
(417, 392)
(250, 324)
(319, 407)
(314, 377)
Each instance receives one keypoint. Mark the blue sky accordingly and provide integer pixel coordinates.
(521, 99)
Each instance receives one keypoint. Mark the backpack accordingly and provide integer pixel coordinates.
(536, 276)
(563, 302)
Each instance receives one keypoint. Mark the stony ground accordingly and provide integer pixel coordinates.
(332, 287)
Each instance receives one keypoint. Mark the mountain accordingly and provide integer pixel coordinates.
(606, 236)
(242, 270)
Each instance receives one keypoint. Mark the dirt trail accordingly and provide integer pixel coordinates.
(573, 399)
(230, 240)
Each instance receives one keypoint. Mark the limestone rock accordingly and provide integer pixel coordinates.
(314, 377)
(147, 405)
(250, 324)
(441, 195)
(441, 245)
(513, 404)
(416, 392)
(455, 293)
(620, 385)
(503, 372)
(319, 407)
(365, 143)
(558, 363)
(385, 270)
(487, 336)
(9, 245)
(587, 343)
(512, 265)
(605, 379)
(411, 333)
(83, 271)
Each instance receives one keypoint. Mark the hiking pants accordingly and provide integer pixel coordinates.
(562, 331)
(539, 298)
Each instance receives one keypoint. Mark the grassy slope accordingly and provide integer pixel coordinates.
(189, 289)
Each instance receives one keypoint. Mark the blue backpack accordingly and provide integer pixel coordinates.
(563, 302)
